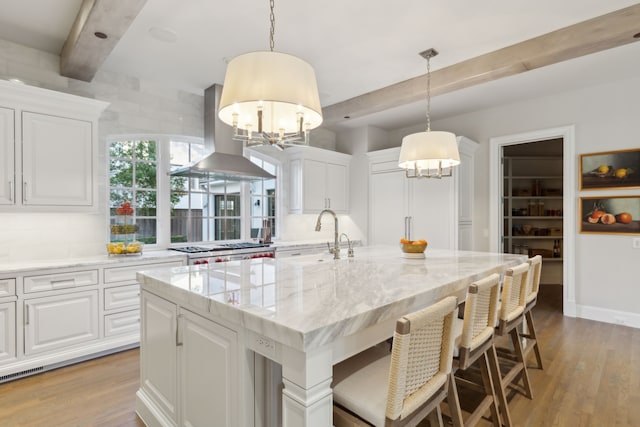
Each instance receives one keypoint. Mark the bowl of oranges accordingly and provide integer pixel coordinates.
(413, 246)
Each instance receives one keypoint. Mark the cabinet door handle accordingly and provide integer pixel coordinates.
(11, 191)
(24, 191)
(329, 203)
(26, 314)
(178, 331)
(63, 282)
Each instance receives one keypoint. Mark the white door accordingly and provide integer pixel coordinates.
(158, 354)
(7, 331)
(60, 321)
(314, 186)
(388, 207)
(209, 377)
(337, 188)
(431, 204)
(7, 157)
(57, 161)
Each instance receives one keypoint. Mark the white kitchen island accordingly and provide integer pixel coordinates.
(202, 327)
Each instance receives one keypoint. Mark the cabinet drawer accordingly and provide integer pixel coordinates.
(128, 273)
(7, 287)
(49, 282)
(121, 297)
(124, 323)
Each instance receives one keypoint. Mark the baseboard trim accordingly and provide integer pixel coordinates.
(605, 315)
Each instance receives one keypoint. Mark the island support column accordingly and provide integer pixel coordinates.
(307, 396)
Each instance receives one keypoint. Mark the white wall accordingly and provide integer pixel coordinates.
(605, 118)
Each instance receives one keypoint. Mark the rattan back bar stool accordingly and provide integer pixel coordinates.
(408, 385)
(514, 291)
(475, 346)
(535, 269)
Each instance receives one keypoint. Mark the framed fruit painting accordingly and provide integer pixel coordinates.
(610, 169)
(610, 215)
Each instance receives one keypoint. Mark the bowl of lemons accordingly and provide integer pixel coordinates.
(413, 246)
(121, 248)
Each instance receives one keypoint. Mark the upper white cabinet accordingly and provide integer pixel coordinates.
(48, 142)
(57, 167)
(319, 179)
(7, 158)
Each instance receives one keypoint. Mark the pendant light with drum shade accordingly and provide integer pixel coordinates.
(427, 154)
(270, 98)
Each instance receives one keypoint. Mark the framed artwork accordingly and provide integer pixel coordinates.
(610, 169)
(610, 215)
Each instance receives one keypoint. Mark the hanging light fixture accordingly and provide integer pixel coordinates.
(270, 98)
(428, 154)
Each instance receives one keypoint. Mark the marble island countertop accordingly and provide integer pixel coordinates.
(307, 301)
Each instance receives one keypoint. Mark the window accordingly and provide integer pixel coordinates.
(263, 200)
(191, 209)
(133, 178)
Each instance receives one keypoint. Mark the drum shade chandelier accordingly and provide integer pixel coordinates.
(270, 98)
(429, 154)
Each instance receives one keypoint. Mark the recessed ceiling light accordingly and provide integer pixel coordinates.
(163, 34)
(100, 35)
(636, 36)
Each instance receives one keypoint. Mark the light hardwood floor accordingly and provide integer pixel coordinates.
(591, 378)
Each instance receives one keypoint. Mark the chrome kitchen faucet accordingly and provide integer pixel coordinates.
(336, 244)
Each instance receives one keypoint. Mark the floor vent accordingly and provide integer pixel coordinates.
(25, 373)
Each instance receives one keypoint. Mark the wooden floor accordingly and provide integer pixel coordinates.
(591, 378)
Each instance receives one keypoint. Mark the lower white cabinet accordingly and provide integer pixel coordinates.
(189, 366)
(7, 332)
(158, 355)
(59, 321)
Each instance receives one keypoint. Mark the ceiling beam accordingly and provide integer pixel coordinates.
(604, 32)
(84, 52)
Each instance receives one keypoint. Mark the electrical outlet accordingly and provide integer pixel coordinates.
(265, 346)
(636, 243)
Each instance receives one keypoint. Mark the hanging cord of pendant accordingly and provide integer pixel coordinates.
(272, 17)
(428, 93)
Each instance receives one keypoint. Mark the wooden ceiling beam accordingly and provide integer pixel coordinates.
(83, 52)
(594, 35)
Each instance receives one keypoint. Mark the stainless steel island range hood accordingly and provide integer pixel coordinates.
(226, 161)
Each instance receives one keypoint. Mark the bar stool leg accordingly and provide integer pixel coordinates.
(531, 334)
(517, 345)
(494, 369)
(489, 388)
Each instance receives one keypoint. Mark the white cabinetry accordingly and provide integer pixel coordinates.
(189, 367)
(7, 157)
(208, 363)
(56, 161)
(158, 356)
(319, 179)
(48, 142)
(428, 207)
(49, 317)
(463, 174)
(60, 321)
(7, 331)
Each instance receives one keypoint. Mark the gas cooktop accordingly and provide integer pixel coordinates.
(220, 247)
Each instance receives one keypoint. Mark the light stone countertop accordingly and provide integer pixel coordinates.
(19, 267)
(308, 301)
